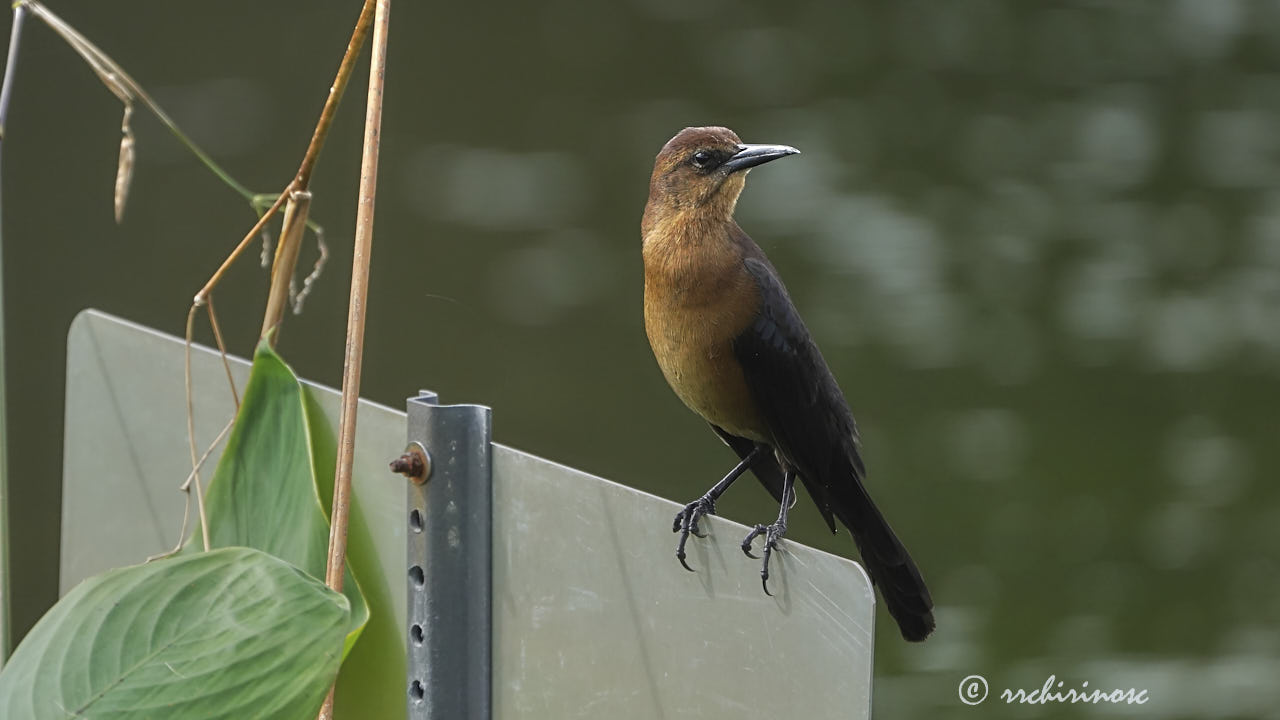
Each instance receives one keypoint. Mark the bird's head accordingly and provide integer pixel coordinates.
(704, 169)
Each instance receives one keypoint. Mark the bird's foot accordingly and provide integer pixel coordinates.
(686, 523)
(772, 534)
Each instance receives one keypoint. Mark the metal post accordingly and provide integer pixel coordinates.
(450, 521)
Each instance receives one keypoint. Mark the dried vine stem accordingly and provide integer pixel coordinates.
(127, 90)
(191, 437)
(124, 87)
(186, 489)
(286, 257)
(295, 192)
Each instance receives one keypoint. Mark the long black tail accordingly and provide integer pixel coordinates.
(841, 493)
(885, 557)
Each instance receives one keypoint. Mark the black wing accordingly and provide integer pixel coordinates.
(790, 382)
(813, 427)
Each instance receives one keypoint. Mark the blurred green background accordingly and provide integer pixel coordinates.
(1039, 244)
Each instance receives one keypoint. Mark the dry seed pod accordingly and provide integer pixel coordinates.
(124, 170)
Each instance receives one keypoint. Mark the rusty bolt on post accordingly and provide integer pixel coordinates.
(414, 464)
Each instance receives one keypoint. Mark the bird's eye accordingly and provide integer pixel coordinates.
(702, 159)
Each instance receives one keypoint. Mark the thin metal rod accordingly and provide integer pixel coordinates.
(356, 310)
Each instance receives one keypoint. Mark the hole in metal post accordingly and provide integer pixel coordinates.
(415, 632)
(415, 521)
(415, 573)
(416, 691)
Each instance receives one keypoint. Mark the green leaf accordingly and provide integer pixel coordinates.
(372, 681)
(233, 633)
(264, 493)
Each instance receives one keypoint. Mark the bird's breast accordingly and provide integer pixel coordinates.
(692, 318)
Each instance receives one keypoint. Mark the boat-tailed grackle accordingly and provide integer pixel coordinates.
(733, 347)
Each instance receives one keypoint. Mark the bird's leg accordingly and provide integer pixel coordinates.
(773, 533)
(686, 521)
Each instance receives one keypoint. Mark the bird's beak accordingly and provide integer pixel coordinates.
(749, 156)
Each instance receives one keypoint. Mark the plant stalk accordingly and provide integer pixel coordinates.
(125, 87)
(293, 225)
(286, 257)
(6, 617)
(356, 310)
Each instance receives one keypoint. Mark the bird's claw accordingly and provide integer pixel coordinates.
(756, 532)
(772, 534)
(680, 557)
(686, 523)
